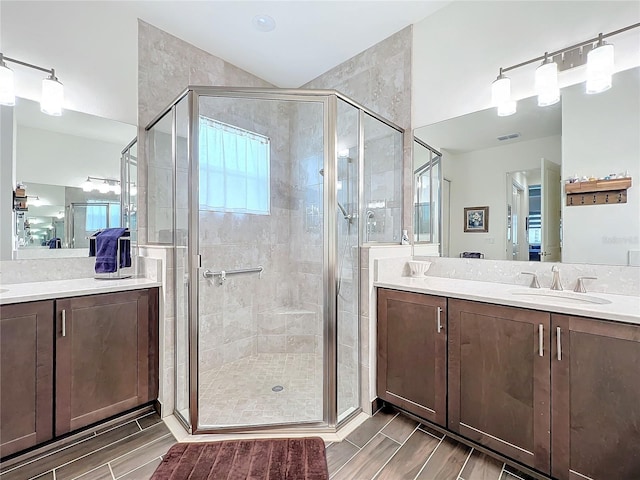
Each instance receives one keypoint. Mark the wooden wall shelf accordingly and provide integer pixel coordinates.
(598, 192)
(598, 186)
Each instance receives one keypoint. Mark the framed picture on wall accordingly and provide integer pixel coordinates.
(476, 219)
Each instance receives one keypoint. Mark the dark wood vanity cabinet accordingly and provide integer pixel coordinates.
(499, 382)
(106, 356)
(412, 353)
(595, 375)
(26, 375)
(68, 363)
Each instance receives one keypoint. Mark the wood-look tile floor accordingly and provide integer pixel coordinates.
(391, 446)
(387, 446)
(130, 450)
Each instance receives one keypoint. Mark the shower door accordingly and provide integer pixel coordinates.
(259, 228)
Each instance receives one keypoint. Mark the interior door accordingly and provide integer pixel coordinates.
(550, 212)
(446, 217)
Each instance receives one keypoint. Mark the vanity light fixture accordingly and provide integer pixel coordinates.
(501, 95)
(600, 67)
(52, 90)
(36, 202)
(595, 52)
(547, 87)
(102, 185)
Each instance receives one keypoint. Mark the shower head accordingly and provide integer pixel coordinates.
(346, 216)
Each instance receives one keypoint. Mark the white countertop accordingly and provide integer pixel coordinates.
(622, 308)
(32, 291)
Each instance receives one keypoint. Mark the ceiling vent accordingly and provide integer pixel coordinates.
(510, 136)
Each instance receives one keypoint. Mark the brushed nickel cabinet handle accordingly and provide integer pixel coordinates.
(439, 319)
(541, 340)
(64, 323)
(558, 331)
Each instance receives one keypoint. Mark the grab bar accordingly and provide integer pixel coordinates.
(223, 273)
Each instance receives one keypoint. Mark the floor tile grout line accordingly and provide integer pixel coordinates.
(429, 433)
(429, 458)
(139, 467)
(142, 446)
(392, 439)
(367, 443)
(511, 474)
(73, 444)
(113, 476)
(396, 452)
(465, 463)
(138, 423)
(88, 471)
(501, 471)
(349, 441)
(96, 450)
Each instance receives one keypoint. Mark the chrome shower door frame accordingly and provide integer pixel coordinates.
(329, 100)
(330, 249)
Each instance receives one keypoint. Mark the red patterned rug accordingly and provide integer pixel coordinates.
(264, 459)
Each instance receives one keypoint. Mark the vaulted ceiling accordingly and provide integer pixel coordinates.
(93, 44)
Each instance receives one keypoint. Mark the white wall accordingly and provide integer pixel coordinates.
(59, 159)
(458, 51)
(479, 179)
(601, 135)
(7, 180)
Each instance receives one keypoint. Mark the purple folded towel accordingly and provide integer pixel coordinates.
(107, 250)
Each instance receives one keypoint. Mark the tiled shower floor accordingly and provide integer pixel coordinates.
(240, 392)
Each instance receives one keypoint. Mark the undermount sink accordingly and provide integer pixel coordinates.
(562, 297)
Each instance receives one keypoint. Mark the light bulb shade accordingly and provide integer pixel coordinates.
(52, 96)
(116, 189)
(104, 187)
(600, 68)
(7, 92)
(507, 108)
(546, 81)
(501, 91)
(87, 185)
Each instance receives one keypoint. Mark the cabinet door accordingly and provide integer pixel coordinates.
(102, 364)
(412, 346)
(499, 379)
(596, 399)
(26, 375)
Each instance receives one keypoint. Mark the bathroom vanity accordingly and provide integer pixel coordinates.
(72, 355)
(544, 379)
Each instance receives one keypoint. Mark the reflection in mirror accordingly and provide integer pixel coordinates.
(427, 202)
(70, 167)
(517, 166)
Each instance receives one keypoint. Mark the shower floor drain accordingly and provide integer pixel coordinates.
(277, 388)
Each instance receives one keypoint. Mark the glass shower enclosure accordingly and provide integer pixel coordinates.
(266, 314)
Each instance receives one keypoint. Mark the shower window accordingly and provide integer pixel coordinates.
(102, 215)
(234, 169)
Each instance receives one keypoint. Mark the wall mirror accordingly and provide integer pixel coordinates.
(71, 169)
(516, 167)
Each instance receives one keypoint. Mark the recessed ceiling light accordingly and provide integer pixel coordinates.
(264, 23)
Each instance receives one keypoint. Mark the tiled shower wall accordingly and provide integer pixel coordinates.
(279, 312)
(166, 65)
(380, 79)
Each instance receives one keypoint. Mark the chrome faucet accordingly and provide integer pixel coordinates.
(534, 279)
(555, 281)
(580, 284)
